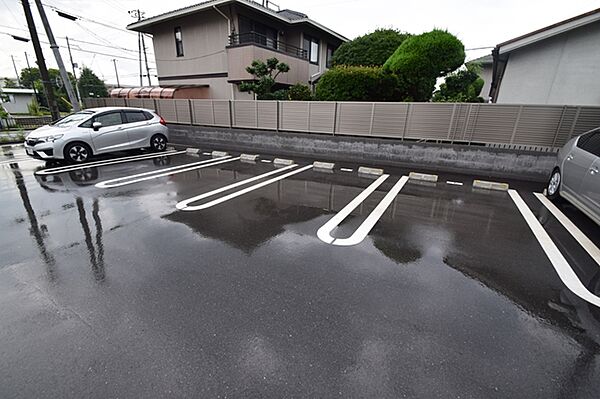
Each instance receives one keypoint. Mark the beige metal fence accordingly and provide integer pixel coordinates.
(534, 127)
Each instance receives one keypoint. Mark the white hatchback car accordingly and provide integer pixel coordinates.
(77, 137)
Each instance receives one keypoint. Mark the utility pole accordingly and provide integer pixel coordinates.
(116, 72)
(146, 59)
(41, 62)
(16, 72)
(59, 61)
(138, 15)
(32, 82)
(74, 65)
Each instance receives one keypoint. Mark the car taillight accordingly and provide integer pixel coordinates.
(162, 121)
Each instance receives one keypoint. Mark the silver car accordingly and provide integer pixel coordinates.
(77, 137)
(576, 176)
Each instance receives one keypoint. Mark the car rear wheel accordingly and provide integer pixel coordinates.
(553, 187)
(158, 143)
(77, 153)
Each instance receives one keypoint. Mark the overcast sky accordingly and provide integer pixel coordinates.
(478, 23)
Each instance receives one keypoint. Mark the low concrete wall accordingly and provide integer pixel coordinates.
(481, 161)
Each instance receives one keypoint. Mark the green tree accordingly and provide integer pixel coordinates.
(264, 74)
(89, 83)
(421, 59)
(463, 85)
(372, 49)
(300, 92)
(29, 76)
(10, 83)
(357, 83)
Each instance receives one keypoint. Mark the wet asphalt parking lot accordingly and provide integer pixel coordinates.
(117, 291)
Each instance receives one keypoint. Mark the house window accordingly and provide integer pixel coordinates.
(178, 42)
(329, 59)
(311, 45)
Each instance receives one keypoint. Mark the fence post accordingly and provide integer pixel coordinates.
(230, 113)
(451, 120)
(191, 111)
(335, 113)
(574, 123)
(155, 106)
(372, 116)
(278, 117)
(407, 120)
(514, 132)
(559, 125)
(256, 112)
(308, 118)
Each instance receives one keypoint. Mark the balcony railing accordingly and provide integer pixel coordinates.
(267, 42)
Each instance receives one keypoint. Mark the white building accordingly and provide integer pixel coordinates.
(559, 64)
(15, 101)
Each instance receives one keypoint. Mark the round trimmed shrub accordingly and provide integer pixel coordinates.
(356, 83)
(372, 49)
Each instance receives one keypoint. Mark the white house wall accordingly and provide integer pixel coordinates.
(561, 70)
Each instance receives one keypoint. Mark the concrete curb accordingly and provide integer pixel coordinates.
(249, 158)
(283, 162)
(422, 177)
(317, 165)
(490, 185)
(218, 154)
(365, 170)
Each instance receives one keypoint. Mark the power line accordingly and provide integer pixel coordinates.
(79, 41)
(88, 20)
(77, 48)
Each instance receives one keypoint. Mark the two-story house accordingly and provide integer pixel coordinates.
(208, 46)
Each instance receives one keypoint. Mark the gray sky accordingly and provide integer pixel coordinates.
(477, 23)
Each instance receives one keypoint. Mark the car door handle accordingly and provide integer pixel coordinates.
(594, 171)
(569, 157)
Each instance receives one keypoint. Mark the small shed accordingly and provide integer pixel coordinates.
(15, 101)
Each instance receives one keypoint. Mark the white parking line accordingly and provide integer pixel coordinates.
(324, 233)
(183, 205)
(454, 183)
(346, 169)
(133, 158)
(581, 238)
(560, 264)
(266, 160)
(125, 180)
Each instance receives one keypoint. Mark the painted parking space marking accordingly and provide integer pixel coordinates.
(324, 233)
(133, 158)
(184, 205)
(346, 169)
(560, 264)
(454, 183)
(266, 160)
(154, 174)
(581, 238)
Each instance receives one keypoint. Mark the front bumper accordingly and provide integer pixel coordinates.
(42, 151)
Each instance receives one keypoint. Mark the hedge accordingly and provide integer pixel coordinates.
(355, 83)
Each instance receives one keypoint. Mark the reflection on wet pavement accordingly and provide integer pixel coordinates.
(107, 293)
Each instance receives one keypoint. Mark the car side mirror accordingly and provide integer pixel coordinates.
(96, 126)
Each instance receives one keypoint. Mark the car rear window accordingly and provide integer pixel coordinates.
(135, 116)
(148, 115)
(590, 142)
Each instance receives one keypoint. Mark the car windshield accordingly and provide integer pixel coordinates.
(70, 120)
